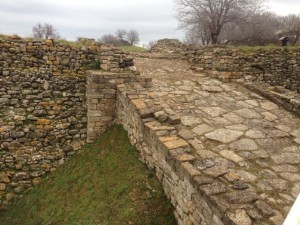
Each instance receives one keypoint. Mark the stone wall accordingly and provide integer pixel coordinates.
(279, 66)
(43, 113)
(48, 55)
(199, 197)
(170, 48)
(42, 121)
(274, 66)
(102, 98)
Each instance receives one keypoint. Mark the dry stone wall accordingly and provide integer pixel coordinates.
(274, 66)
(42, 121)
(102, 98)
(49, 55)
(198, 198)
(46, 115)
(43, 112)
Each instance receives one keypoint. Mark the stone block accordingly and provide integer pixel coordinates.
(173, 144)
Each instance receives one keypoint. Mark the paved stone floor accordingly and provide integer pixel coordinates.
(258, 140)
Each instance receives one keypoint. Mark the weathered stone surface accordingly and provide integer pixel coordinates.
(139, 103)
(248, 113)
(202, 129)
(179, 143)
(213, 189)
(216, 171)
(265, 209)
(213, 111)
(244, 144)
(243, 196)
(268, 105)
(186, 134)
(2, 187)
(224, 135)
(239, 217)
(161, 116)
(190, 121)
(231, 156)
(185, 157)
(174, 119)
(190, 169)
(254, 133)
(296, 133)
(290, 158)
(212, 88)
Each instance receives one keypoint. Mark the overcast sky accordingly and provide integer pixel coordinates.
(153, 19)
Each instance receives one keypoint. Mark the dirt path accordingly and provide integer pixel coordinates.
(164, 69)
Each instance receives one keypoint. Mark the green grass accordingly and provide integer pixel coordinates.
(3, 36)
(254, 49)
(133, 49)
(104, 184)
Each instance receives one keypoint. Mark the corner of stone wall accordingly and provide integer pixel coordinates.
(101, 98)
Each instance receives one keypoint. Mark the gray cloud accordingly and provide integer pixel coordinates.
(153, 19)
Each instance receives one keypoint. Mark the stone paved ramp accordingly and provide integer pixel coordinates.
(235, 134)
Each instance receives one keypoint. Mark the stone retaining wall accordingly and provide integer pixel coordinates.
(48, 55)
(43, 113)
(199, 197)
(42, 121)
(274, 66)
(289, 100)
(279, 66)
(102, 98)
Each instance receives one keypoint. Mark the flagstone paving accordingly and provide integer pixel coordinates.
(257, 140)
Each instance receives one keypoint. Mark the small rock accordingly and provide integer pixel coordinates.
(9, 197)
(186, 134)
(161, 116)
(174, 119)
(239, 217)
(36, 181)
(2, 187)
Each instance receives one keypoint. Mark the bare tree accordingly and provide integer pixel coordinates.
(121, 34)
(109, 39)
(213, 15)
(38, 31)
(151, 44)
(133, 37)
(261, 29)
(45, 31)
(290, 26)
(198, 34)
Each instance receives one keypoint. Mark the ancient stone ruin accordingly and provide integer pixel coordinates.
(223, 151)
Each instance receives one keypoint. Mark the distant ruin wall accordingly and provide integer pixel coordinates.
(274, 66)
(280, 66)
(51, 56)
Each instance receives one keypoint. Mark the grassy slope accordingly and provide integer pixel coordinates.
(104, 185)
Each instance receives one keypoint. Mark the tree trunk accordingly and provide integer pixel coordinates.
(214, 39)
